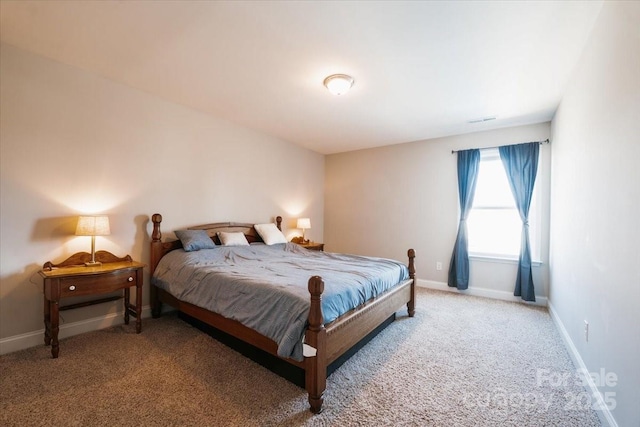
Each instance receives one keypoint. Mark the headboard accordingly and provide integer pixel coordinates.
(160, 248)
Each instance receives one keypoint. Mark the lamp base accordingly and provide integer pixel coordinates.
(92, 264)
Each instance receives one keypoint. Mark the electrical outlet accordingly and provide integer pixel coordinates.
(586, 331)
(438, 265)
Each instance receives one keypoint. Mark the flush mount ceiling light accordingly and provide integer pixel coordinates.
(338, 84)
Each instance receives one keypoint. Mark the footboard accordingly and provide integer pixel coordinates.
(333, 340)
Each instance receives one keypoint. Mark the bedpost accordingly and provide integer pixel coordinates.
(156, 254)
(279, 222)
(316, 337)
(411, 305)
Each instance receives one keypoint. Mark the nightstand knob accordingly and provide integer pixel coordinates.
(130, 278)
(72, 288)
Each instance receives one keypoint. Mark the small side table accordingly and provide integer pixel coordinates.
(71, 278)
(313, 246)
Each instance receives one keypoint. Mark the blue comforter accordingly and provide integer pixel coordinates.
(265, 287)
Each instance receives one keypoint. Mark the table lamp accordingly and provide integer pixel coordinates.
(93, 226)
(304, 223)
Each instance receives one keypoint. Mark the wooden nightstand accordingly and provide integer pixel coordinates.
(71, 279)
(314, 246)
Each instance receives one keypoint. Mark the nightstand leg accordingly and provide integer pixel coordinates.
(47, 322)
(55, 321)
(139, 302)
(126, 305)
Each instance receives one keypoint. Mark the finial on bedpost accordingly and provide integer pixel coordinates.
(156, 235)
(411, 305)
(316, 337)
(279, 222)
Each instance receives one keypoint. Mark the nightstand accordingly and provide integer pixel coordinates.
(71, 278)
(313, 246)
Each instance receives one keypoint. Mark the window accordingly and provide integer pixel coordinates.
(494, 224)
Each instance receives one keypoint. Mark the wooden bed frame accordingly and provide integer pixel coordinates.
(330, 341)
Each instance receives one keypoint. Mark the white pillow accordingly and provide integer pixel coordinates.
(232, 239)
(270, 233)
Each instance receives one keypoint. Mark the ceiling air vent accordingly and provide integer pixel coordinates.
(483, 119)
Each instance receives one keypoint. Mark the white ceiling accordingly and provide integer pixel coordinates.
(422, 69)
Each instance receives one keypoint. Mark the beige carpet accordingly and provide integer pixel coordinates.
(462, 361)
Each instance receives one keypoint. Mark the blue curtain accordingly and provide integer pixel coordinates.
(468, 164)
(521, 164)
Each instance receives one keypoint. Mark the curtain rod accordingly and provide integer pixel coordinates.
(546, 141)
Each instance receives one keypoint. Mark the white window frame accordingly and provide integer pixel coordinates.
(535, 215)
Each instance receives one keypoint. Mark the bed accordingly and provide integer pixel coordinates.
(326, 334)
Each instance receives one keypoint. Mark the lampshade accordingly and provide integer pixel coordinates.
(93, 226)
(304, 223)
(338, 83)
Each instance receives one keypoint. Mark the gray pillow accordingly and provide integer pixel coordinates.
(194, 240)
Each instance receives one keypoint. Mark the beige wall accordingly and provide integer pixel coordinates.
(73, 142)
(386, 200)
(595, 254)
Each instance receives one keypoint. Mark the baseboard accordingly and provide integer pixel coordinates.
(480, 292)
(35, 338)
(606, 417)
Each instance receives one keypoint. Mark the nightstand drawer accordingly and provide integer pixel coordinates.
(96, 284)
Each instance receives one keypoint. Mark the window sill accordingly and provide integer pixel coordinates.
(500, 259)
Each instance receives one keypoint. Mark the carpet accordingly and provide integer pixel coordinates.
(461, 361)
